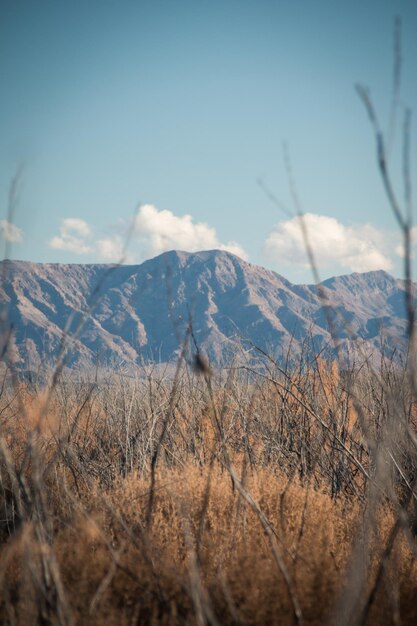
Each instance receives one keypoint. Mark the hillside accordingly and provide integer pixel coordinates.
(140, 312)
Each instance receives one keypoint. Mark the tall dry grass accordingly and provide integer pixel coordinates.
(278, 497)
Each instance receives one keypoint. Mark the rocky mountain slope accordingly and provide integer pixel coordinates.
(130, 314)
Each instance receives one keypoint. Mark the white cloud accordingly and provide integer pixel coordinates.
(356, 248)
(153, 232)
(72, 236)
(75, 236)
(113, 250)
(234, 248)
(161, 230)
(399, 249)
(10, 232)
(76, 225)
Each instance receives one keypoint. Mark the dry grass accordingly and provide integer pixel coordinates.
(260, 512)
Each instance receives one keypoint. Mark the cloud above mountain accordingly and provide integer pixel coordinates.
(399, 248)
(10, 232)
(151, 232)
(161, 230)
(73, 234)
(356, 248)
(111, 249)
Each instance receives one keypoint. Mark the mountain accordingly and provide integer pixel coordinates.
(139, 313)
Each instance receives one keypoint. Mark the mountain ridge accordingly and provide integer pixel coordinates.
(138, 313)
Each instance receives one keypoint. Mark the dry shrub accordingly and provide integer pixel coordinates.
(246, 467)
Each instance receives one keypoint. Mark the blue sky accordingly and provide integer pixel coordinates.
(158, 118)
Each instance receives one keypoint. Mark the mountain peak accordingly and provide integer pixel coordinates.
(372, 279)
(141, 312)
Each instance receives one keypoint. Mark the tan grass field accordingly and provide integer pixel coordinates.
(258, 500)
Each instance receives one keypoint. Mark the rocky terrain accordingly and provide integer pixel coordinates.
(140, 313)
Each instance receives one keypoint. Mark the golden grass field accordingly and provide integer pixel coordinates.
(272, 500)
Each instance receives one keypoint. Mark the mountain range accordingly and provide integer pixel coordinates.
(140, 313)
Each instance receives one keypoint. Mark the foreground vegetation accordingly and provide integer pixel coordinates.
(241, 497)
